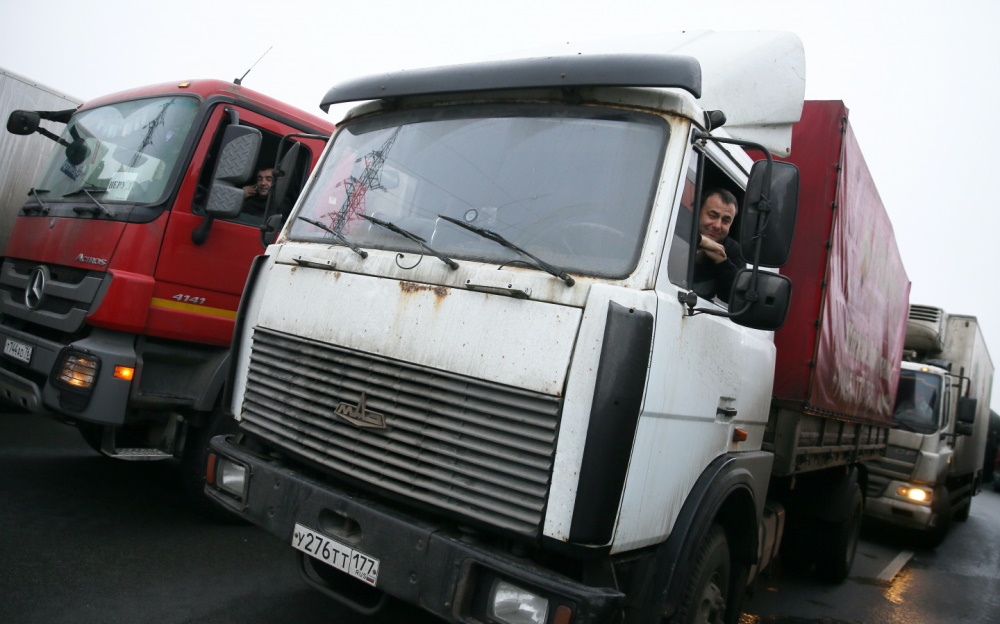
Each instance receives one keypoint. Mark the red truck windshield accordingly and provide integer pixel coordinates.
(120, 152)
(572, 185)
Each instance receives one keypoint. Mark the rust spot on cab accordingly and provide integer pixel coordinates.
(409, 288)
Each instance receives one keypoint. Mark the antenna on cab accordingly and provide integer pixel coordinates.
(239, 81)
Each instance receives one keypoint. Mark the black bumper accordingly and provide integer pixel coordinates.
(421, 562)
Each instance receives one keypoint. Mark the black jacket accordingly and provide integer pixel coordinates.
(713, 279)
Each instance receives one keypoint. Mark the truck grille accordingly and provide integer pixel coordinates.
(68, 294)
(898, 463)
(478, 449)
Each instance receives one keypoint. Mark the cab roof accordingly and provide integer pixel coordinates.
(756, 78)
(208, 88)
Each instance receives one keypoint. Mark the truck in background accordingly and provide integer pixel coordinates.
(497, 395)
(21, 159)
(126, 263)
(934, 462)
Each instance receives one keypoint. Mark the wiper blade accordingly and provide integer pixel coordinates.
(337, 235)
(493, 236)
(392, 227)
(42, 208)
(101, 208)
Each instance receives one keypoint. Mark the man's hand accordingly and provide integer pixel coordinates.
(249, 190)
(712, 250)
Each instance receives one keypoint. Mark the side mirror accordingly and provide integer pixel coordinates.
(963, 429)
(768, 214)
(240, 145)
(23, 122)
(966, 412)
(764, 307)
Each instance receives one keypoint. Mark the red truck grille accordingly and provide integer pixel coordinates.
(465, 446)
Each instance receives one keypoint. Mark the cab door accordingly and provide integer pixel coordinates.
(198, 286)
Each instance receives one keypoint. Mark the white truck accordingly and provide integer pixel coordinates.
(21, 160)
(473, 372)
(934, 462)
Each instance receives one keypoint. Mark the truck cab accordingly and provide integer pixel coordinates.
(122, 277)
(933, 462)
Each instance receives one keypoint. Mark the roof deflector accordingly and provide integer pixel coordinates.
(599, 70)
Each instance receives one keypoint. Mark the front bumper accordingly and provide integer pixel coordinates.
(28, 384)
(424, 563)
(900, 512)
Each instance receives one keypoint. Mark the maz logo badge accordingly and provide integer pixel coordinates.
(358, 416)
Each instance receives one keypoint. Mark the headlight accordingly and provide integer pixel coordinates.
(512, 605)
(230, 477)
(917, 495)
(77, 370)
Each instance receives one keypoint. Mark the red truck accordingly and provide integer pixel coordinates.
(126, 264)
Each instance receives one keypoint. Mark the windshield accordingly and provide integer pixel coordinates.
(572, 185)
(120, 152)
(917, 402)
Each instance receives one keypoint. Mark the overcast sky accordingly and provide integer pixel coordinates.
(919, 77)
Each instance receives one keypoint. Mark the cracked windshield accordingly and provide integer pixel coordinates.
(571, 185)
(120, 152)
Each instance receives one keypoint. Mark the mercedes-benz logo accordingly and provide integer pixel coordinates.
(35, 291)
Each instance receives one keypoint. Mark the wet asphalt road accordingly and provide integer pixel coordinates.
(85, 539)
(957, 583)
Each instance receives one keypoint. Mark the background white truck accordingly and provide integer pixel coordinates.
(472, 372)
(21, 160)
(934, 462)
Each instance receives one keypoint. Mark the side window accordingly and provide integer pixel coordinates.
(712, 276)
(258, 186)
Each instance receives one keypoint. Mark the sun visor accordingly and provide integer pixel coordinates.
(757, 78)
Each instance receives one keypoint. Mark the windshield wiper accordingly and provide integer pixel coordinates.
(392, 227)
(493, 236)
(337, 235)
(100, 208)
(41, 208)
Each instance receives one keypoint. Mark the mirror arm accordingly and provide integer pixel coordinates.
(200, 234)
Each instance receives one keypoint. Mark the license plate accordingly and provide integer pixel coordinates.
(17, 350)
(340, 556)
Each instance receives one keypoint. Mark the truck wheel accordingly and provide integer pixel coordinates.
(705, 598)
(837, 550)
(962, 515)
(194, 461)
(796, 549)
(942, 512)
(92, 435)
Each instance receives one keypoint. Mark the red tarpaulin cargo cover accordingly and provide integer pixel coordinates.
(838, 353)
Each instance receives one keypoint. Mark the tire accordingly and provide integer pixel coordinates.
(706, 598)
(92, 435)
(796, 548)
(942, 509)
(838, 541)
(962, 515)
(194, 462)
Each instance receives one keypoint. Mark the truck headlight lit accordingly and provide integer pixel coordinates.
(231, 477)
(77, 370)
(512, 605)
(916, 495)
